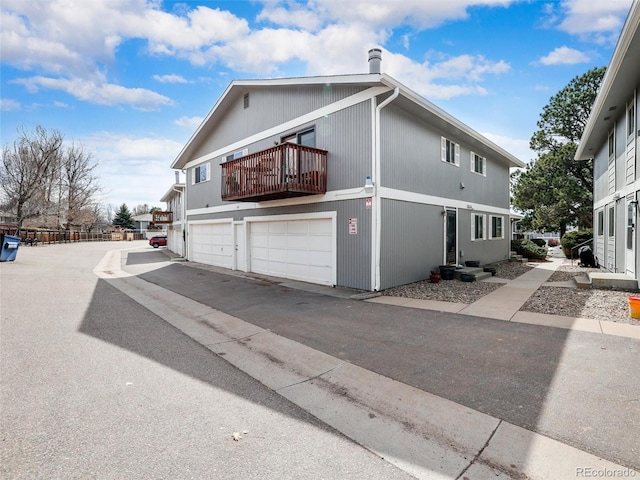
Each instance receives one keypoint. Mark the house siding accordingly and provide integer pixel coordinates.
(411, 161)
(269, 107)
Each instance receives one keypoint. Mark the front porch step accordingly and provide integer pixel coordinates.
(477, 273)
(616, 281)
(514, 257)
(582, 281)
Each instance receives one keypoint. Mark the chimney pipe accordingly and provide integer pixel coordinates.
(375, 57)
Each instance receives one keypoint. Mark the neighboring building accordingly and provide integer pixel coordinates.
(611, 138)
(350, 180)
(144, 224)
(176, 231)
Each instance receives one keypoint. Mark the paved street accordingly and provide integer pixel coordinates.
(93, 385)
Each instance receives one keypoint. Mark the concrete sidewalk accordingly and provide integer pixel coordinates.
(505, 303)
(422, 433)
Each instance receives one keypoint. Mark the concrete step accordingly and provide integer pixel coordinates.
(482, 275)
(469, 270)
(617, 281)
(582, 281)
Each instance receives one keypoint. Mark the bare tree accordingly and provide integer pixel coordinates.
(28, 172)
(46, 184)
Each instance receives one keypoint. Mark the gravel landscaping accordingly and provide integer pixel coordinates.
(609, 305)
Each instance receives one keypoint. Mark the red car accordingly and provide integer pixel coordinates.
(158, 241)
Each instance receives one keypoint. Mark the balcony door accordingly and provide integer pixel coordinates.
(306, 138)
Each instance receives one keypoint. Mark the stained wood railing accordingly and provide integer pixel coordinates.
(286, 170)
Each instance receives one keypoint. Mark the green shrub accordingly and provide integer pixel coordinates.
(528, 249)
(572, 239)
(541, 242)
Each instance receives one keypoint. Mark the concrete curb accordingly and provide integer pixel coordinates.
(425, 435)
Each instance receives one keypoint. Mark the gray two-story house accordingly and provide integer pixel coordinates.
(350, 180)
(611, 138)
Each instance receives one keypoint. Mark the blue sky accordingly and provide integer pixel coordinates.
(132, 79)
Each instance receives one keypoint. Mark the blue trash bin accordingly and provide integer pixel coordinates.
(8, 247)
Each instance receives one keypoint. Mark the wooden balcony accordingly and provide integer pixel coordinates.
(287, 170)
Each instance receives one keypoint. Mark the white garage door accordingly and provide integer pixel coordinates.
(175, 241)
(212, 244)
(296, 249)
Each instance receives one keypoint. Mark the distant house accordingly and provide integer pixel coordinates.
(351, 180)
(144, 224)
(176, 232)
(611, 138)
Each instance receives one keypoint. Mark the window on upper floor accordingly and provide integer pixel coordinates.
(631, 120)
(233, 156)
(478, 164)
(612, 145)
(601, 223)
(477, 227)
(245, 100)
(306, 137)
(450, 151)
(496, 227)
(201, 173)
(612, 218)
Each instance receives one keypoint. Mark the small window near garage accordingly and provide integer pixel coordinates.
(246, 100)
(478, 164)
(612, 218)
(600, 223)
(201, 173)
(496, 227)
(450, 151)
(477, 227)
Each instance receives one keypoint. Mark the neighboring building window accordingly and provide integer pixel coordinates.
(201, 173)
(450, 151)
(496, 227)
(631, 120)
(478, 164)
(477, 227)
(235, 155)
(611, 144)
(600, 223)
(246, 100)
(612, 227)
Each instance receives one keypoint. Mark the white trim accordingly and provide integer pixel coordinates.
(353, 194)
(473, 227)
(291, 124)
(211, 221)
(490, 227)
(293, 216)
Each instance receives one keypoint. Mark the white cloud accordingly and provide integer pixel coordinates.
(564, 56)
(598, 19)
(99, 93)
(174, 78)
(6, 104)
(133, 170)
(189, 122)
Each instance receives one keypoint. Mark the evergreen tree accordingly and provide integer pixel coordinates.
(123, 217)
(555, 191)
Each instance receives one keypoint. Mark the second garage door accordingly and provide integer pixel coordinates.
(297, 249)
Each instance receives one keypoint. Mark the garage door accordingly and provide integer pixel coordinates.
(296, 249)
(175, 241)
(212, 244)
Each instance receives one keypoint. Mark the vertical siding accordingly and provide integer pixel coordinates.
(412, 242)
(353, 251)
(487, 250)
(411, 161)
(268, 107)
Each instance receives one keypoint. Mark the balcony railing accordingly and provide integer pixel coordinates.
(287, 170)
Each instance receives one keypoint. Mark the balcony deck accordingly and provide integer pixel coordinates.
(286, 170)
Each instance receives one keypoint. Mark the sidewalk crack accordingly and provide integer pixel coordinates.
(477, 455)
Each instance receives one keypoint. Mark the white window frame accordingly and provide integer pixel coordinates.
(631, 120)
(444, 142)
(238, 154)
(611, 145)
(483, 160)
(475, 235)
(600, 223)
(199, 168)
(492, 218)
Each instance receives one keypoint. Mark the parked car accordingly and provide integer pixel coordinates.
(158, 241)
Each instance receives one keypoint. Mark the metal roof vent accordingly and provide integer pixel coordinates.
(375, 57)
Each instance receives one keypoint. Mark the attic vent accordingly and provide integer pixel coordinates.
(246, 100)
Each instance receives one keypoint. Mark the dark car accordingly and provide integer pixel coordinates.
(158, 241)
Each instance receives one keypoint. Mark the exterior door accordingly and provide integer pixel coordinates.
(451, 236)
(240, 251)
(630, 254)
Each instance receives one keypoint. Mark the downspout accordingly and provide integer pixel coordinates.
(376, 201)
